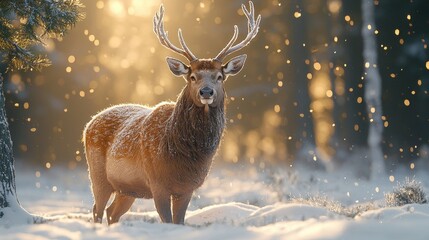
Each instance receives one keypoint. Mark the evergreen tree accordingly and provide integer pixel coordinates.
(24, 24)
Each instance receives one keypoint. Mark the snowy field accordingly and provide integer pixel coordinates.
(234, 203)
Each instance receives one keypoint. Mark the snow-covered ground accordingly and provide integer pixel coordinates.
(234, 203)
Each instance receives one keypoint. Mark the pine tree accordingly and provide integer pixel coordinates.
(24, 24)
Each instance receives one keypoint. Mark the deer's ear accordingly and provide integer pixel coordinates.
(234, 65)
(177, 67)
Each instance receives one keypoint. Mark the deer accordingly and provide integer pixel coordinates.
(163, 152)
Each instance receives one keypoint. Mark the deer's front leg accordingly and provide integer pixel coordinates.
(180, 204)
(163, 205)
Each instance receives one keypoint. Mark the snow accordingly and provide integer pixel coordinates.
(236, 202)
(14, 214)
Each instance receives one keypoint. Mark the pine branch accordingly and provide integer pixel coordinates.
(24, 24)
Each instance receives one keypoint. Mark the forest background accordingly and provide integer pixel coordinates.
(300, 96)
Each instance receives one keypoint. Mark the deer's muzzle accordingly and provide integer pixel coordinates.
(206, 95)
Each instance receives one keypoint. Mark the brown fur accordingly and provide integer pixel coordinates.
(205, 64)
(163, 153)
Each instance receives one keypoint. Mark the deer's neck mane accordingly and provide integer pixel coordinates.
(193, 134)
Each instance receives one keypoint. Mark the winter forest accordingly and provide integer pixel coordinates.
(327, 123)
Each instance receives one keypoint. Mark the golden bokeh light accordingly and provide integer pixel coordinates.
(334, 6)
(407, 102)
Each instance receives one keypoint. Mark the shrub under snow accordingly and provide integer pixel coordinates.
(409, 192)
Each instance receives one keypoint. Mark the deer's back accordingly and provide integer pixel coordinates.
(103, 129)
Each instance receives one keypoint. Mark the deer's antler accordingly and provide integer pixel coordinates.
(252, 30)
(158, 28)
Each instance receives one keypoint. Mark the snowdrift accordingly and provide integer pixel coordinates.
(255, 205)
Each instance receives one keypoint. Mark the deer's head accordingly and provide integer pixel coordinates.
(205, 77)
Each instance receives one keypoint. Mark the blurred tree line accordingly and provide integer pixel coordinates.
(300, 95)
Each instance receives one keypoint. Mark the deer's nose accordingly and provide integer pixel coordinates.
(206, 92)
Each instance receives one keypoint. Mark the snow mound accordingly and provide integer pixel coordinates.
(231, 213)
(407, 212)
(15, 215)
(250, 205)
(287, 212)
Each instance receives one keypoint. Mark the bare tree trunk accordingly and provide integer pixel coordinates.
(372, 92)
(7, 173)
(11, 211)
(320, 83)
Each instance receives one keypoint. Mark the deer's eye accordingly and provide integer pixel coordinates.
(193, 79)
(219, 77)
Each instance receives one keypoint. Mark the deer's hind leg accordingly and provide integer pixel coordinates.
(163, 205)
(101, 188)
(119, 206)
(180, 204)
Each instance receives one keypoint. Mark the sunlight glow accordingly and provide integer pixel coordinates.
(143, 8)
(117, 8)
(322, 105)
